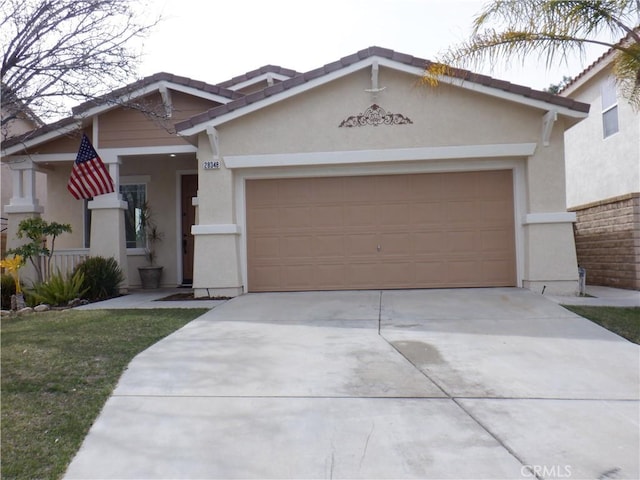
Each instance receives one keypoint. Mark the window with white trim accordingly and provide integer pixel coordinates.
(609, 107)
(135, 194)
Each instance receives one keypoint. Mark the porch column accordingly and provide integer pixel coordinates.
(108, 237)
(22, 204)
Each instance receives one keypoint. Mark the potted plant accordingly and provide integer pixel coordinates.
(151, 273)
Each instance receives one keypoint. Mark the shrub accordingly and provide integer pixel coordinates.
(58, 290)
(8, 288)
(102, 278)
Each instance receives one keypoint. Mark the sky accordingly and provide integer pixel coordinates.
(215, 40)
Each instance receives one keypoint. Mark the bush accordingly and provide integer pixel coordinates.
(102, 278)
(58, 290)
(8, 288)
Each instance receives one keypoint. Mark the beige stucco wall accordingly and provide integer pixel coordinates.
(446, 116)
(442, 116)
(601, 168)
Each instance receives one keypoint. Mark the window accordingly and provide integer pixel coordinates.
(135, 194)
(609, 108)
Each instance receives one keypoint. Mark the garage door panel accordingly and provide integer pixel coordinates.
(328, 216)
(357, 189)
(426, 214)
(328, 246)
(264, 247)
(295, 217)
(296, 246)
(361, 245)
(462, 242)
(495, 240)
(428, 242)
(432, 230)
(264, 217)
(361, 215)
(267, 276)
(396, 244)
(299, 191)
(461, 212)
(297, 277)
(330, 276)
(392, 214)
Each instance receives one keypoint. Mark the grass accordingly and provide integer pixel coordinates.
(58, 369)
(624, 321)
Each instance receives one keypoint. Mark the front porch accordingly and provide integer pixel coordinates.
(108, 225)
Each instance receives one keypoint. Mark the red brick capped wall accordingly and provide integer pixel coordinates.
(607, 237)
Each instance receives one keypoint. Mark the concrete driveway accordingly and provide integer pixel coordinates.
(468, 384)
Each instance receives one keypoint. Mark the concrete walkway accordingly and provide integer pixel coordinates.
(602, 297)
(467, 384)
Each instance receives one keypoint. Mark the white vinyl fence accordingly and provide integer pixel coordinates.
(64, 261)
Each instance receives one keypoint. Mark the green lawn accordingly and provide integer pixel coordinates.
(623, 321)
(58, 369)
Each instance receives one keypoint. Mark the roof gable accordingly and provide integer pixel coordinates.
(267, 73)
(603, 62)
(363, 59)
(117, 98)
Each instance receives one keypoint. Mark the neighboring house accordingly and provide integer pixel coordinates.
(354, 175)
(23, 122)
(603, 179)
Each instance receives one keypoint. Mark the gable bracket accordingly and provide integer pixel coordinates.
(166, 100)
(548, 120)
(214, 141)
(375, 89)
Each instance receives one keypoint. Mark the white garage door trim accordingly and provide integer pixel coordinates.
(517, 165)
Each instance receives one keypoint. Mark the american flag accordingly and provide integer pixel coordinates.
(89, 176)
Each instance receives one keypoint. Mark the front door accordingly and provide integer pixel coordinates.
(189, 187)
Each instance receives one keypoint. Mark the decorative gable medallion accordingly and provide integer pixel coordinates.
(375, 115)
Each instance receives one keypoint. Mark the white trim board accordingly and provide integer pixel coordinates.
(382, 155)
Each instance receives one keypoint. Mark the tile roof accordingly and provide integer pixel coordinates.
(51, 127)
(384, 53)
(598, 60)
(155, 78)
(256, 73)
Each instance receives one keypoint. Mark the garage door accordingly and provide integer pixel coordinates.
(381, 232)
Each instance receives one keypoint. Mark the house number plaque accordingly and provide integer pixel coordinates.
(210, 165)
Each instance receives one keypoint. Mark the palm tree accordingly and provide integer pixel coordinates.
(555, 30)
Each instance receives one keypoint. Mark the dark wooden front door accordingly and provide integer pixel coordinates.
(189, 187)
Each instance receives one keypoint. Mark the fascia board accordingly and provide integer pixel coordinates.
(377, 156)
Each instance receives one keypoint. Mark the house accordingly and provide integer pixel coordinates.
(20, 122)
(603, 178)
(354, 175)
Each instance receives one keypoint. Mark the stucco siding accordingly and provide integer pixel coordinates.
(599, 168)
(444, 116)
(63, 208)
